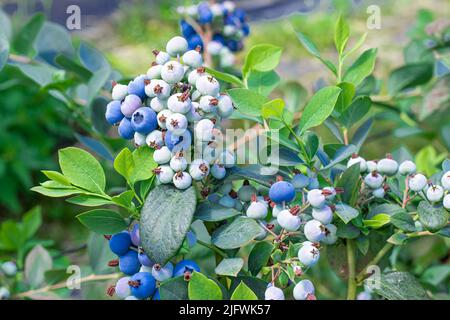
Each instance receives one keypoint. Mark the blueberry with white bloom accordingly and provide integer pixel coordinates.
(407, 167)
(445, 180)
(357, 159)
(374, 180)
(387, 166)
(304, 290)
(182, 180)
(324, 214)
(417, 182)
(273, 293)
(161, 57)
(208, 85)
(308, 254)
(172, 72)
(176, 46)
(435, 193)
(164, 174)
(315, 231)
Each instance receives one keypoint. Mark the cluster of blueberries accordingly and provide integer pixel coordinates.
(142, 276)
(227, 24)
(7, 269)
(376, 173)
(176, 105)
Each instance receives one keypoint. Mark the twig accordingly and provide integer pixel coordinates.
(213, 248)
(361, 276)
(89, 278)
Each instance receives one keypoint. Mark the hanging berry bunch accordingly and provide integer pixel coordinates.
(219, 28)
(177, 104)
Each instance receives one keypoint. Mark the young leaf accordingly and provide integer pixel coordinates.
(230, 267)
(242, 292)
(163, 225)
(346, 96)
(82, 169)
(377, 221)
(202, 288)
(54, 192)
(102, 221)
(229, 78)
(57, 177)
(273, 109)
(88, 201)
(312, 49)
(247, 101)
(361, 68)
(262, 57)
(319, 108)
(236, 234)
(341, 35)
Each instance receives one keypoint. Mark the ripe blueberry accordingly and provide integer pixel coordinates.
(129, 263)
(162, 273)
(120, 243)
(144, 120)
(114, 113)
(142, 285)
(185, 266)
(130, 105)
(282, 191)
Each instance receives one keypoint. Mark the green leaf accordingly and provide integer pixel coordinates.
(55, 193)
(346, 96)
(409, 76)
(273, 109)
(312, 144)
(12, 235)
(341, 34)
(340, 155)
(432, 217)
(97, 82)
(236, 234)
(242, 292)
(174, 289)
(37, 262)
(125, 199)
(52, 40)
(4, 50)
(436, 274)
(258, 286)
(360, 135)
(82, 169)
(32, 220)
(5, 24)
(144, 164)
(377, 221)
(263, 82)
(56, 176)
(347, 231)
(88, 201)
(102, 221)
(361, 68)
(208, 211)
(262, 57)
(403, 221)
(358, 45)
(163, 225)
(259, 256)
(24, 39)
(40, 73)
(363, 244)
(356, 111)
(346, 212)
(229, 78)
(91, 58)
(319, 108)
(312, 49)
(294, 94)
(400, 286)
(229, 267)
(350, 182)
(247, 101)
(202, 288)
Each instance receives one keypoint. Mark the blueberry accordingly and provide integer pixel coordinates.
(304, 290)
(143, 285)
(234, 45)
(387, 166)
(185, 266)
(417, 182)
(9, 268)
(357, 159)
(374, 180)
(324, 214)
(164, 174)
(114, 113)
(245, 29)
(219, 38)
(257, 209)
(240, 14)
(4, 293)
(162, 273)
(178, 143)
(445, 180)
(144, 120)
(176, 46)
(446, 202)
(282, 191)
(130, 105)
(195, 41)
(289, 220)
(205, 15)
(134, 235)
(273, 293)
(435, 193)
(182, 180)
(330, 235)
(120, 243)
(129, 263)
(314, 231)
(218, 171)
(364, 295)
(144, 259)
(137, 86)
(407, 167)
(300, 181)
(122, 288)
(313, 183)
(125, 129)
(308, 254)
(186, 29)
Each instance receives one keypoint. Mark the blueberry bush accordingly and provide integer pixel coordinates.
(191, 220)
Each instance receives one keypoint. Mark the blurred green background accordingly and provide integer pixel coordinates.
(118, 37)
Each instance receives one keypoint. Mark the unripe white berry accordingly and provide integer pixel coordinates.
(162, 155)
(435, 193)
(208, 85)
(407, 167)
(176, 46)
(417, 182)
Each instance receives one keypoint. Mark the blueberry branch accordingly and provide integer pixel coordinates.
(363, 274)
(351, 289)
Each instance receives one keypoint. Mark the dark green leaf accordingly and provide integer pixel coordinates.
(208, 211)
(432, 217)
(102, 221)
(263, 82)
(24, 39)
(174, 289)
(356, 111)
(409, 76)
(258, 286)
(350, 182)
(403, 221)
(361, 68)
(346, 212)
(259, 256)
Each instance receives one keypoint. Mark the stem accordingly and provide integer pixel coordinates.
(362, 275)
(89, 278)
(345, 134)
(299, 142)
(351, 289)
(405, 193)
(213, 248)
